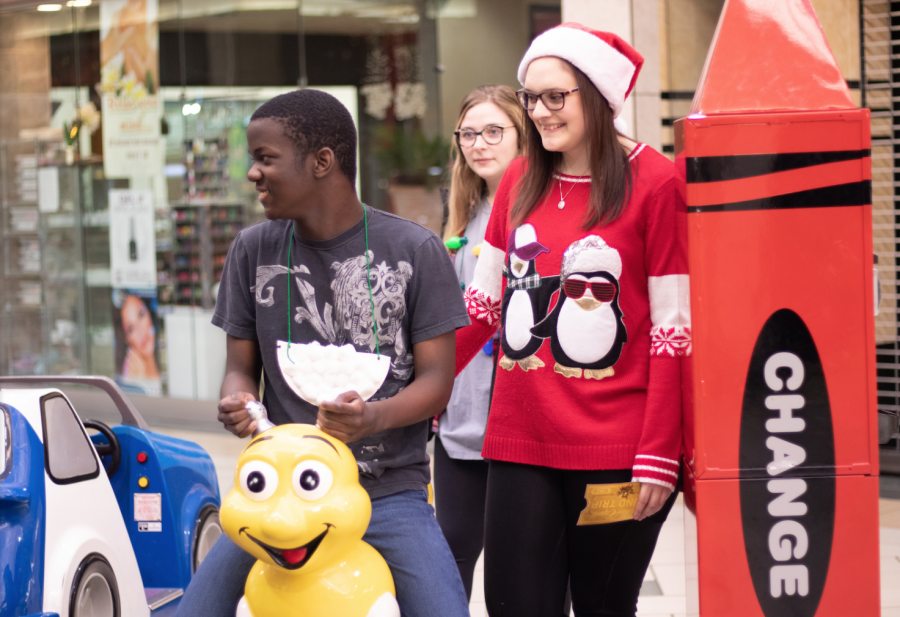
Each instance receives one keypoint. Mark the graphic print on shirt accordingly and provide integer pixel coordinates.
(352, 321)
(525, 300)
(586, 327)
(353, 317)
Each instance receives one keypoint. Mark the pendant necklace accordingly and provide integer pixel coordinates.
(562, 200)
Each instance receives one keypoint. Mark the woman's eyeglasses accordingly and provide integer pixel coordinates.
(492, 135)
(553, 100)
(575, 288)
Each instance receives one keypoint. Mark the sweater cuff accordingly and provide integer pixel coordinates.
(481, 307)
(655, 470)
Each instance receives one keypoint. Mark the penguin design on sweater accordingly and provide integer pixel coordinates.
(525, 300)
(585, 327)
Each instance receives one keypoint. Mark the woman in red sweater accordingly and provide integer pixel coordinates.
(584, 272)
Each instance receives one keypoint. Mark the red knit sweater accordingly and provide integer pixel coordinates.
(603, 388)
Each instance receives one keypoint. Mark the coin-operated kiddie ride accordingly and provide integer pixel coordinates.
(297, 506)
(781, 453)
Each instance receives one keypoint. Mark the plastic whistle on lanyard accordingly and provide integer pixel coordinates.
(297, 506)
(455, 243)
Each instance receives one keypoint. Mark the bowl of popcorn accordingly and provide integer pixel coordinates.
(318, 373)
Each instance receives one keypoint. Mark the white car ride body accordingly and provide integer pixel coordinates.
(82, 517)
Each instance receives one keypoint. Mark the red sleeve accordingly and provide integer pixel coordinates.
(485, 294)
(659, 450)
(469, 341)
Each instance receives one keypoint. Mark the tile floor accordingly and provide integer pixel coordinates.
(663, 594)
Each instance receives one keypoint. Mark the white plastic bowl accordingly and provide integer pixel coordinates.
(318, 373)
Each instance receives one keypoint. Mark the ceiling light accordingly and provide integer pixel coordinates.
(78, 3)
(47, 8)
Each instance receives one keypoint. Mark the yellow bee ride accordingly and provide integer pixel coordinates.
(297, 506)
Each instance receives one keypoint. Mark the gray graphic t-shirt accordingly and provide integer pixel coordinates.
(416, 296)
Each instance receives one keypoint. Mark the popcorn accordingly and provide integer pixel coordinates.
(318, 373)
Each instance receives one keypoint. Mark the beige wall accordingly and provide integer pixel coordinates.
(840, 21)
(690, 26)
(482, 49)
(24, 75)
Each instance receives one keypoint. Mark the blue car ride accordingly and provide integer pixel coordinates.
(109, 525)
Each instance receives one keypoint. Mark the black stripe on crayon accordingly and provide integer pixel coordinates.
(719, 168)
(852, 194)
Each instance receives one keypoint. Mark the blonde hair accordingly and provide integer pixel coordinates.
(466, 187)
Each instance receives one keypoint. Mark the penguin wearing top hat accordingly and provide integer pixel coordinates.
(585, 328)
(525, 300)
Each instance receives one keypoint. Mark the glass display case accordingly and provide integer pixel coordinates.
(43, 320)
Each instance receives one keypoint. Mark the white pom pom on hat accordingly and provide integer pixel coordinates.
(609, 62)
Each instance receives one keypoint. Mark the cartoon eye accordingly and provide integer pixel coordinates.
(258, 480)
(311, 480)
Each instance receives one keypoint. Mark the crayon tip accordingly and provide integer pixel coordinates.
(770, 56)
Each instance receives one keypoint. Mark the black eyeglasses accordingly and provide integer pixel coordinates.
(553, 100)
(492, 135)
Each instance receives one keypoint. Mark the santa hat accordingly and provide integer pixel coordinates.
(523, 242)
(590, 254)
(610, 63)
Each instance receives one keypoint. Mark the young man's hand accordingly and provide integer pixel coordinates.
(234, 415)
(347, 418)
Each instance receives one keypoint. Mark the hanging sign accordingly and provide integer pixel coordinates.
(132, 239)
(132, 109)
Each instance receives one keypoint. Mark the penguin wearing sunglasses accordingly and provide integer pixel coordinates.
(586, 327)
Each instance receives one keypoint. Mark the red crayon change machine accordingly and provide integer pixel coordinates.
(781, 454)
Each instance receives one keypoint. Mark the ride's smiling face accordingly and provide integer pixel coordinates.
(283, 180)
(297, 503)
(489, 161)
(562, 130)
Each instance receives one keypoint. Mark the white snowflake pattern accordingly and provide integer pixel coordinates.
(671, 341)
(481, 307)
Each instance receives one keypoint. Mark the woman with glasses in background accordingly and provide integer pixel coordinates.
(583, 271)
(487, 138)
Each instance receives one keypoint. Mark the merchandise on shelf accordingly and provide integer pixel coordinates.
(206, 169)
(202, 237)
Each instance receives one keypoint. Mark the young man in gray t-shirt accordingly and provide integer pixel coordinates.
(326, 269)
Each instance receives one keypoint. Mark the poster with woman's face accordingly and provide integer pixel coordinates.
(136, 342)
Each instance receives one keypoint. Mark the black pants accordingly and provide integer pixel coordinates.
(459, 489)
(532, 545)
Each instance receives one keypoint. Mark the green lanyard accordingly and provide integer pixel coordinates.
(368, 280)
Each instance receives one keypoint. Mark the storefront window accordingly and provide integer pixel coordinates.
(123, 154)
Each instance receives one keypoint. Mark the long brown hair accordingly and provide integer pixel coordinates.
(466, 187)
(611, 174)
